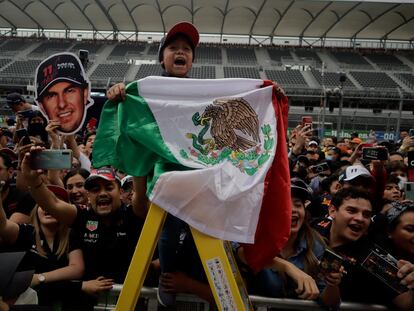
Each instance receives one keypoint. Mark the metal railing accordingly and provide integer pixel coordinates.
(148, 302)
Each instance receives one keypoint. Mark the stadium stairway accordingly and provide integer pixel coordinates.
(101, 57)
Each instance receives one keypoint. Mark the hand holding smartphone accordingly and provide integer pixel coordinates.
(50, 159)
(330, 262)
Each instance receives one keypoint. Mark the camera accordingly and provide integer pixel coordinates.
(319, 168)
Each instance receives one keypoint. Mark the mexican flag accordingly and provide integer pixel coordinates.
(214, 153)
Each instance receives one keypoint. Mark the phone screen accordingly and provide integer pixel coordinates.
(51, 159)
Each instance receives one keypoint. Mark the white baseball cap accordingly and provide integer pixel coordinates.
(353, 172)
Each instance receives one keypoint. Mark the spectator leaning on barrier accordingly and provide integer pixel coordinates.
(346, 232)
(294, 274)
(107, 231)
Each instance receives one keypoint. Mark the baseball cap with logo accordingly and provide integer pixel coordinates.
(184, 28)
(106, 173)
(354, 171)
(57, 68)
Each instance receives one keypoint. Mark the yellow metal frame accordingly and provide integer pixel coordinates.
(222, 273)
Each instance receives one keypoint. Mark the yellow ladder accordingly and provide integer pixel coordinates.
(219, 265)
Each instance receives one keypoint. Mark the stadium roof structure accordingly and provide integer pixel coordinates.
(379, 20)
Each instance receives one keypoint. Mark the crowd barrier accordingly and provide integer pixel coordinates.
(148, 302)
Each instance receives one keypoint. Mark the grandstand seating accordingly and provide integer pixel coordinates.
(125, 50)
(21, 68)
(387, 61)
(91, 47)
(105, 71)
(11, 46)
(287, 78)
(241, 56)
(208, 54)
(241, 72)
(51, 47)
(407, 78)
(146, 70)
(4, 61)
(203, 72)
(277, 55)
(351, 59)
(153, 49)
(308, 55)
(378, 80)
(330, 79)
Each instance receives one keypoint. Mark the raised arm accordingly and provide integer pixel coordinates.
(36, 180)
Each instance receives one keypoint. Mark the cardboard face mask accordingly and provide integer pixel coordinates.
(63, 91)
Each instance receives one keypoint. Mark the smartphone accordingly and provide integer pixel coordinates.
(319, 168)
(26, 113)
(374, 153)
(411, 132)
(384, 267)
(330, 262)
(307, 120)
(22, 133)
(409, 190)
(51, 159)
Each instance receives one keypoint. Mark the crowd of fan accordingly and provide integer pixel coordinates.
(79, 227)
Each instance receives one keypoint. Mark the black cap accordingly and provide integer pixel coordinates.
(14, 99)
(299, 189)
(59, 67)
(183, 28)
(13, 283)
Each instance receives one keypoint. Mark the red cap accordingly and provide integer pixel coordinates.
(187, 29)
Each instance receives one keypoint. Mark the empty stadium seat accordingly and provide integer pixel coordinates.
(241, 72)
(51, 47)
(4, 61)
(407, 78)
(348, 59)
(208, 54)
(277, 55)
(21, 68)
(241, 56)
(308, 55)
(146, 70)
(104, 71)
(91, 47)
(387, 61)
(14, 46)
(330, 79)
(203, 72)
(378, 80)
(287, 78)
(127, 50)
